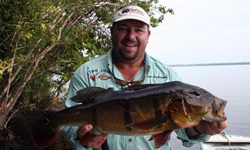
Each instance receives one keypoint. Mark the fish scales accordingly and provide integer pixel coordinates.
(152, 109)
(122, 114)
(118, 116)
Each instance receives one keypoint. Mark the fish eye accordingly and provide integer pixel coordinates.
(197, 93)
(176, 109)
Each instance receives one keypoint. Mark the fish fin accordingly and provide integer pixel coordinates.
(151, 123)
(49, 130)
(86, 95)
(161, 138)
(39, 126)
(45, 137)
(34, 120)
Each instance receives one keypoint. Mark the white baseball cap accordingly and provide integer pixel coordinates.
(132, 12)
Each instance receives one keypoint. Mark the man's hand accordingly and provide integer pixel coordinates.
(209, 128)
(88, 139)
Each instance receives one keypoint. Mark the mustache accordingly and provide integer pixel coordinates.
(130, 41)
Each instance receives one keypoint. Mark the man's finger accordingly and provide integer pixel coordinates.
(83, 130)
(222, 125)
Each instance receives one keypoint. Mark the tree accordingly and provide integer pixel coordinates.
(43, 42)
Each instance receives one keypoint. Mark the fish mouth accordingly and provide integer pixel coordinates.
(221, 109)
(217, 114)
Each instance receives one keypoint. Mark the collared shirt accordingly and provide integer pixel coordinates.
(99, 72)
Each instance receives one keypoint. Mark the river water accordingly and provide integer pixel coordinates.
(231, 83)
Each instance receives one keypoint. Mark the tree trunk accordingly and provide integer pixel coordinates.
(3, 114)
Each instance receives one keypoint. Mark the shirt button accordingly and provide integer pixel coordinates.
(130, 140)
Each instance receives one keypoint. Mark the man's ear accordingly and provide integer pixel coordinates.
(149, 33)
(111, 31)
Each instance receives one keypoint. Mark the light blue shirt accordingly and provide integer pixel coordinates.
(98, 72)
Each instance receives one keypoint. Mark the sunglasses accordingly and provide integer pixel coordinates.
(128, 83)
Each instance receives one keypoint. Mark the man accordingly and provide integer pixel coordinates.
(127, 64)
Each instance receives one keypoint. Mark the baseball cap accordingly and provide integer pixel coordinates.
(131, 12)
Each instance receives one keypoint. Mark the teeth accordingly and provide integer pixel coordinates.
(130, 45)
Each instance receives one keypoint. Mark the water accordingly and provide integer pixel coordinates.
(231, 83)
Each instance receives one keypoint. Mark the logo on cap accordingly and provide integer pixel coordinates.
(125, 11)
(131, 10)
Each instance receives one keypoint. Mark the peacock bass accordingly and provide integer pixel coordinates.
(150, 109)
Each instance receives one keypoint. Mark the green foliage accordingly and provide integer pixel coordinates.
(48, 38)
(43, 42)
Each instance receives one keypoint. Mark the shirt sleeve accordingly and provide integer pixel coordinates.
(181, 134)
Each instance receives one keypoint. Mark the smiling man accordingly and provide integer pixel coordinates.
(130, 38)
(127, 64)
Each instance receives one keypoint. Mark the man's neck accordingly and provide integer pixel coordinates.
(128, 69)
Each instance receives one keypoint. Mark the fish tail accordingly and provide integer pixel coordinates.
(45, 137)
(42, 126)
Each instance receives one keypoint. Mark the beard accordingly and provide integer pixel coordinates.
(123, 52)
(128, 58)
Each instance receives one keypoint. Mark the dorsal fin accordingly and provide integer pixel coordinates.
(85, 95)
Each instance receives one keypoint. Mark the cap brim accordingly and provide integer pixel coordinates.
(132, 18)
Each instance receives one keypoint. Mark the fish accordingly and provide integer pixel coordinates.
(147, 109)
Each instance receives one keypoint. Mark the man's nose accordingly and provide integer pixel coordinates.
(131, 35)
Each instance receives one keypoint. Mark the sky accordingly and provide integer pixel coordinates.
(209, 31)
(203, 31)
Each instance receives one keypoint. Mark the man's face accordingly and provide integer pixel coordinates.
(130, 38)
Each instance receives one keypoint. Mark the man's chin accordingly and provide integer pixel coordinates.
(128, 56)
